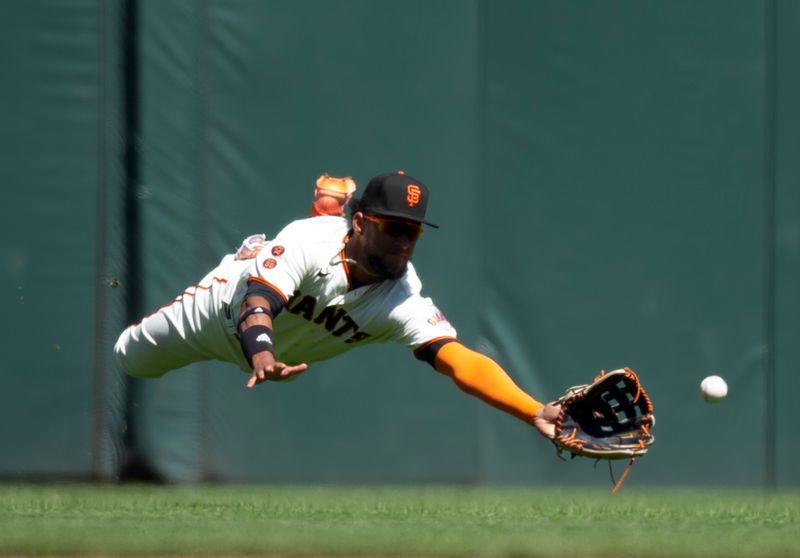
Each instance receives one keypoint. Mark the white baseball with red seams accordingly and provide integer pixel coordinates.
(714, 389)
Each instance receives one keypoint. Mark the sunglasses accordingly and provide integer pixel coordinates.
(396, 229)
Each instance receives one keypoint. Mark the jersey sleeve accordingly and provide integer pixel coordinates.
(422, 323)
(282, 263)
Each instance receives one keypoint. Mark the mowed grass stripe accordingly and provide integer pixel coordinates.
(385, 521)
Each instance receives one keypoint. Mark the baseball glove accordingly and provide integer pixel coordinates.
(610, 418)
(332, 195)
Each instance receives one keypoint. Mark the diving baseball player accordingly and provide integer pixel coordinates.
(321, 287)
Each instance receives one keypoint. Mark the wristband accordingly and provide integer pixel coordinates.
(256, 339)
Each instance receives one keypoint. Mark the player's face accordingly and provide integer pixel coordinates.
(389, 244)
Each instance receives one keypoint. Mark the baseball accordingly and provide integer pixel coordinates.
(714, 389)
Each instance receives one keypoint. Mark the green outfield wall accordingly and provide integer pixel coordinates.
(617, 185)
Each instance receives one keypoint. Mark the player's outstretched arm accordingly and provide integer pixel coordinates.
(479, 375)
(255, 332)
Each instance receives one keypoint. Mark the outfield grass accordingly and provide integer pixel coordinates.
(377, 521)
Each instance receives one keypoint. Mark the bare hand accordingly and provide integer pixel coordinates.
(266, 368)
(545, 419)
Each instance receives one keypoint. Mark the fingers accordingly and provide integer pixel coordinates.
(276, 372)
(255, 378)
(293, 370)
(258, 376)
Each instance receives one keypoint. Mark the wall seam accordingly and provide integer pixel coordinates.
(204, 247)
(131, 215)
(482, 465)
(99, 384)
(770, 240)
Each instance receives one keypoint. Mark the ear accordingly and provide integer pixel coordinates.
(358, 222)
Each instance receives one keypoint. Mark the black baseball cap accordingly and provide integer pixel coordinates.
(396, 194)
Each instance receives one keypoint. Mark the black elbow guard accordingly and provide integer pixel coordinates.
(275, 299)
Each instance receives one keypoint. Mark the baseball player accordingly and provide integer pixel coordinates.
(321, 287)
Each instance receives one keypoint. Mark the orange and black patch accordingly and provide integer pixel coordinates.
(269, 263)
(278, 250)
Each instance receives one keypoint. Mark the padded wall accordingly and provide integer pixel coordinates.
(616, 186)
(57, 404)
(628, 148)
(786, 128)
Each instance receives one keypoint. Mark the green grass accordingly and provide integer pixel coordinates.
(381, 521)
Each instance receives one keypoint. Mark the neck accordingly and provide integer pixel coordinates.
(360, 275)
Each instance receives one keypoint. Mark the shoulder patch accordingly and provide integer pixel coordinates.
(269, 263)
(278, 250)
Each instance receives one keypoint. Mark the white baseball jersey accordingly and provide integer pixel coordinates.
(322, 317)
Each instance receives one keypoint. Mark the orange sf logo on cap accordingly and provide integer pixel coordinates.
(413, 194)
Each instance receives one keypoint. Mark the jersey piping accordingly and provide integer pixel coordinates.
(270, 285)
(180, 296)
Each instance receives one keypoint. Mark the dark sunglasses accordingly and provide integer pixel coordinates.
(395, 228)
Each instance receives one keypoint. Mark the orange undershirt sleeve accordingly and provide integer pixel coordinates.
(482, 377)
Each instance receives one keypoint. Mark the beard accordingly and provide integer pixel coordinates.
(386, 268)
